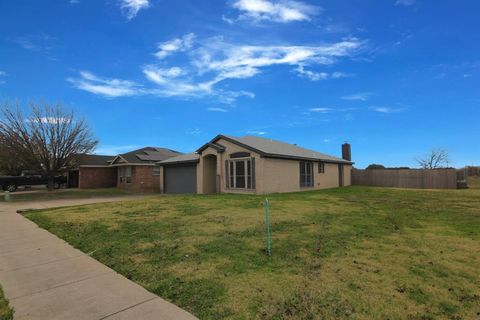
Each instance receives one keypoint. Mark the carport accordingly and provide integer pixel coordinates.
(180, 174)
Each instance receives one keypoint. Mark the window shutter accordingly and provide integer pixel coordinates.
(300, 171)
(253, 173)
(313, 175)
(227, 180)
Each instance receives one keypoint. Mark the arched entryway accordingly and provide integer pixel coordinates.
(210, 174)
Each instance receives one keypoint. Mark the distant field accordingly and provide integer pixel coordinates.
(350, 253)
(474, 182)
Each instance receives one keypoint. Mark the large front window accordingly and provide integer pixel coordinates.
(241, 174)
(306, 174)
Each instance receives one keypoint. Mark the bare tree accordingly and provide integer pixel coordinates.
(437, 158)
(49, 137)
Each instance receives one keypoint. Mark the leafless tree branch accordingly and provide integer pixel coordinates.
(49, 138)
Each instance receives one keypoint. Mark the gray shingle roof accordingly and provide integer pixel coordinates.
(278, 149)
(94, 160)
(188, 157)
(149, 155)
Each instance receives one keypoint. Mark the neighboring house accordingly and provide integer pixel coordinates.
(253, 165)
(93, 171)
(135, 170)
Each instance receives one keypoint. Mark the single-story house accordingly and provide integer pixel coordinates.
(247, 164)
(135, 170)
(93, 171)
(254, 165)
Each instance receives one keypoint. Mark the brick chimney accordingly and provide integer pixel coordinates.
(346, 152)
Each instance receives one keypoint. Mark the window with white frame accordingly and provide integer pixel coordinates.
(121, 174)
(128, 174)
(156, 170)
(321, 167)
(240, 173)
(306, 174)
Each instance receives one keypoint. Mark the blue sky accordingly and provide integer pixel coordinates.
(394, 78)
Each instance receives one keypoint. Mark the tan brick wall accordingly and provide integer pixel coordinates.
(272, 175)
(221, 157)
(96, 177)
(143, 180)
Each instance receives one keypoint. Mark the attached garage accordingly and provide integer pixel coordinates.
(180, 174)
(180, 179)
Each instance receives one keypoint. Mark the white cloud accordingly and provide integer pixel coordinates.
(207, 64)
(74, 1)
(49, 120)
(321, 110)
(179, 44)
(257, 132)
(130, 8)
(361, 96)
(217, 109)
(110, 88)
(2, 74)
(283, 11)
(213, 60)
(387, 109)
(316, 76)
(405, 3)
(195, 132)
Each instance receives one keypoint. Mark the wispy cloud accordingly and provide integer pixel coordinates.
(212, 61)
(282, 11)
(130, 8)
(3, 74)
(194, 132)
(321, 110)
(317, 76)
(107, 87)
(361, 96)
(387, 109)
(115, 149)
(179, 44)
(257, 132)
(405, 3)
(217, 109)
(48, 120)
(208, 63)
(41, 43)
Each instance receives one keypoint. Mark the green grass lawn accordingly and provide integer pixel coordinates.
(350, 253)
(64, 194)
(6, 313)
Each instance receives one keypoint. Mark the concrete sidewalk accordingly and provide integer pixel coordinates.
(46, 278)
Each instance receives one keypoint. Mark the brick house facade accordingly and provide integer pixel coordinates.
(97, 177)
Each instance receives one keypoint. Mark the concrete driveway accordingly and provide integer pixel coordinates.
(46, 278)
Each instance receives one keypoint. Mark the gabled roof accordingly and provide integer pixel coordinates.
(183, 158)
(275, 149)
(147, 155)
(94, 160)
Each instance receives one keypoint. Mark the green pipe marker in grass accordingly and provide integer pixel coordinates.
(7, 195)
(267, 223)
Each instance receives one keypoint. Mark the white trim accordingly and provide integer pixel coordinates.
(118, 156)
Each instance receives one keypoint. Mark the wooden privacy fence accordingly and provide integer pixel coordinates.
(406, 178)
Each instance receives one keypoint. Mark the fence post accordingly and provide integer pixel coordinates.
(267, 223)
